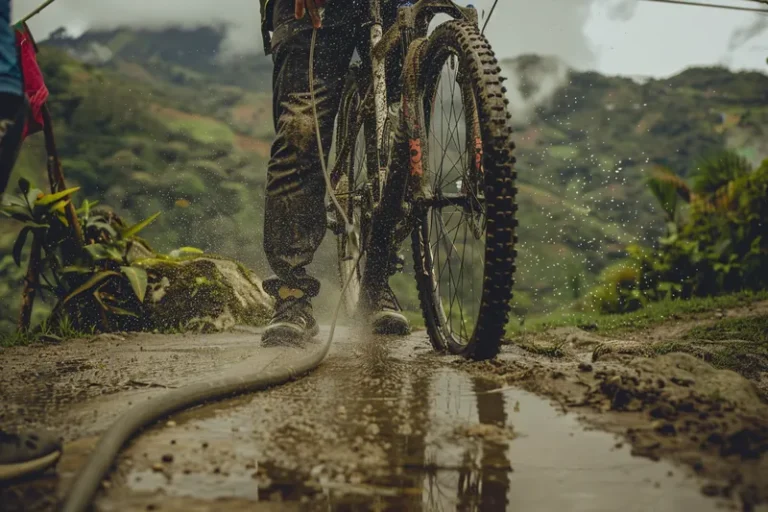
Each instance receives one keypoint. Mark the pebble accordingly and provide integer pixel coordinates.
(167, 458)
(171, 424)
(585, 367)
(663, 411)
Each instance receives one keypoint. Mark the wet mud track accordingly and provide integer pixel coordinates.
(383, 424)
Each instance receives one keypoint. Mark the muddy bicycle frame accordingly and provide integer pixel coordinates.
(401, 183)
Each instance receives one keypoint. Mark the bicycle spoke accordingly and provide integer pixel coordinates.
(456, 226)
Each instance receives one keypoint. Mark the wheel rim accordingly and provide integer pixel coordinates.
(456, 221)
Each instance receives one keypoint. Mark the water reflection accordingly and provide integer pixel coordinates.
(419, 409)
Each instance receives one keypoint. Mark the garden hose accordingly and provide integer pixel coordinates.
(89, 478)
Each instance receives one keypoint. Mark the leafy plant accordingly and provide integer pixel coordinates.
(99, 286)
(712, 173)
(720, 244)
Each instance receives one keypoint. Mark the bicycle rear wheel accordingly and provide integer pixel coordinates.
(464, 243)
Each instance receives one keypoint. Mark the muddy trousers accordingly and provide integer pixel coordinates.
(295, 217)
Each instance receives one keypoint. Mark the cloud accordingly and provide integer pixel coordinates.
(519, 26)
(744, 34)
(532, 82)
(543, 27)
(621, 10)
(241, 16)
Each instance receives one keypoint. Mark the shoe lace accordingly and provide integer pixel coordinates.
(290, 309)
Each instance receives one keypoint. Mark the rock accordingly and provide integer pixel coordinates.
(664, 411)
(203, 293)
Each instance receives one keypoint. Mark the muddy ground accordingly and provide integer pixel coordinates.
(568, 419)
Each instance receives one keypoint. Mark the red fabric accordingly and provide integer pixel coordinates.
(34, 86)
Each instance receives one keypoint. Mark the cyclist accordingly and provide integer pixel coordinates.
(295, 220)
(21, 454)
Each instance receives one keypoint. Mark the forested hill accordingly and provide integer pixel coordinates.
(163, 121)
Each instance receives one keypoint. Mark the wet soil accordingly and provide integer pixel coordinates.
(386, 424)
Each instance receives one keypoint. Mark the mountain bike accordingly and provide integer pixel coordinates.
(423, 150)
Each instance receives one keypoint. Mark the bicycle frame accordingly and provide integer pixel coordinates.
(405, 36)
(412, 24)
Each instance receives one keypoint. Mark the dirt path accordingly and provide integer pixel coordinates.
(387, 424)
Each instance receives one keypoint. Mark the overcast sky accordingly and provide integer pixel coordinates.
(628, 37)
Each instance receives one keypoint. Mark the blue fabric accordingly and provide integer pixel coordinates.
(10, 72)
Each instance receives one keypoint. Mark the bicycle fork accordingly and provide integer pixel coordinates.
(404, 177)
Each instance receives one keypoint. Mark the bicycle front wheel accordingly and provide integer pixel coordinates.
(464, 243)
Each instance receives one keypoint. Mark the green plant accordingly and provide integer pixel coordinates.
(619, 289)
(97, 286)
(716, 171)
(722, 244)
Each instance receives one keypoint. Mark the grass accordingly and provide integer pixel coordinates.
(738, 344)
(651, 314)
(42, 333)
(753, 329)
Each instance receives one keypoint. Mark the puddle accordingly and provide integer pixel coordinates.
(556, 463)
(393, 429)
(197, 485)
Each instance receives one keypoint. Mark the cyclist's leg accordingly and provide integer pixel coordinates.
(11, 97)
(295, 219)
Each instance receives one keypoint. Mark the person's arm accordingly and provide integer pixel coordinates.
(313, 8)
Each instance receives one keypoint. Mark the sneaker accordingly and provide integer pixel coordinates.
(387, 316)
(27, 454)
(292, 323)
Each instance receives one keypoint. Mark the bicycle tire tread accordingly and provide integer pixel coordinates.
(483, 71)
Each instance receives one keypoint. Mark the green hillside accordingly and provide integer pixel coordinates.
(159, 121)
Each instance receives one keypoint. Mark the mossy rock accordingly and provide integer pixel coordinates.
(204, 293)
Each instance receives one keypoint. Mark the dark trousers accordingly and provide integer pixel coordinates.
(295, 219)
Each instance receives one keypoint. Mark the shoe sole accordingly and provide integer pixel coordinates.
(31, 467)
(393, 324)
(287, 335)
